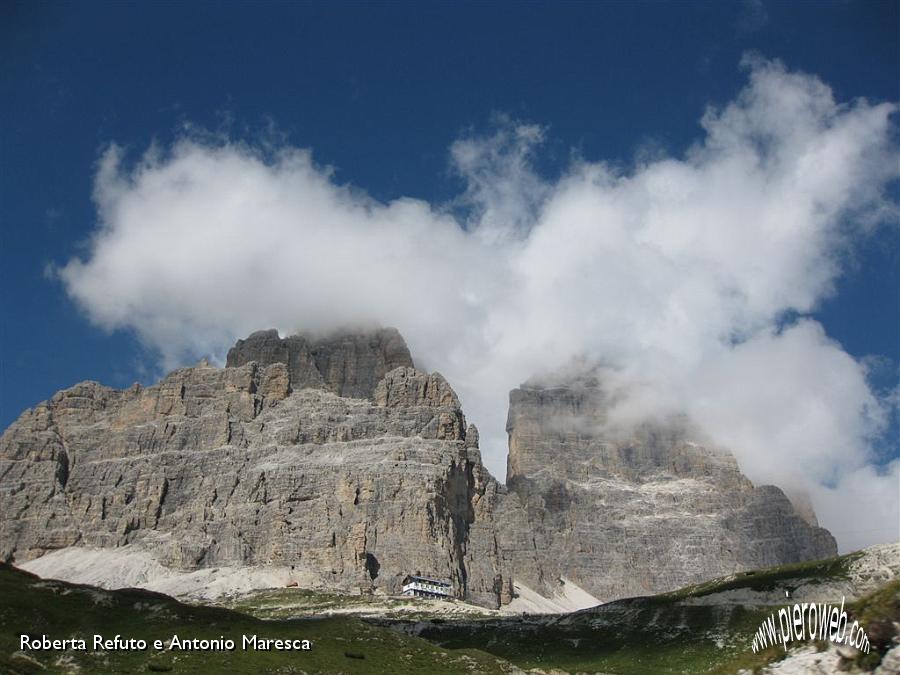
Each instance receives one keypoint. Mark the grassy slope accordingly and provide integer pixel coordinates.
(288, 603)
(637, 636)
(877, 614)
(661, 634)
(781, 577)
(60, 610)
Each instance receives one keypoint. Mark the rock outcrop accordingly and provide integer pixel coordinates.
(337, 459)
(239, 466)
(633, 512)
(346, 364)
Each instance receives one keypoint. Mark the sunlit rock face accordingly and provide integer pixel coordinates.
(265, 462)
(626, 512)
(346, 364)
(335, 458)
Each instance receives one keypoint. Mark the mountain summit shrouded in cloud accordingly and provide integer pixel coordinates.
(678, 275)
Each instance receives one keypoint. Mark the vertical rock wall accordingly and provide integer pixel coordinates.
(632, 512)
(338, 458)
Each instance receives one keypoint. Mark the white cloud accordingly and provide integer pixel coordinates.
(677, 273)
(863, 507)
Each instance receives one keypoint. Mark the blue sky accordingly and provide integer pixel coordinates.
(380, 93)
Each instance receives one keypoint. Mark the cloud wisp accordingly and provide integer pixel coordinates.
(677, 273)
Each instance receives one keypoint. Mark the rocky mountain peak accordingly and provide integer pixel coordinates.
(405, 386)
(585, 495)
(349, 364)
(564, 427)
(337, 461)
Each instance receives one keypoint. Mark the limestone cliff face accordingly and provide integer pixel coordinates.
(243, 466)
(632, 513)
(346, 364)
(337, 457)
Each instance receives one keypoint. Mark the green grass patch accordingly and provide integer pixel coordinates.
(60, 610)
(287, 603)
(658, 634)
(877, 613)
(636, 636)
(770, 579)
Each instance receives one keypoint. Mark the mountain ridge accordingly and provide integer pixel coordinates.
(337, 459)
